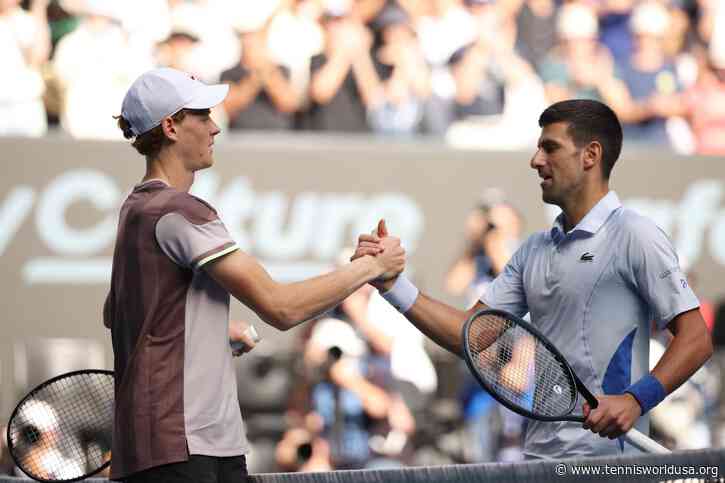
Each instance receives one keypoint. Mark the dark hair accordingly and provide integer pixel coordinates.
(148, 144)
(588, 121)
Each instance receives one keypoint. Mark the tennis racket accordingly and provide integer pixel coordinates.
(62, 430)
(523, 371)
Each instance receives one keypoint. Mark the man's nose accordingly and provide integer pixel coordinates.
(537, 160)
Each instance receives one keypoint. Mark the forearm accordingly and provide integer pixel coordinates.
(460, 276)
(615, 93)
(378, 340)
(286, 305)
(241, 95)
(281, 92)
(440, 322)
(375, 401)
(327, 81)
(309, 298)
(39, 53)
(368, 82)
(468, 80)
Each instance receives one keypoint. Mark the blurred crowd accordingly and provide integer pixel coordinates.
(474, 72)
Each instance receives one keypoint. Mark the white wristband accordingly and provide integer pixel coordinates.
(402, 295)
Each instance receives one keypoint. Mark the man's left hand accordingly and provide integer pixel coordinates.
(614, 416)
(242, 333)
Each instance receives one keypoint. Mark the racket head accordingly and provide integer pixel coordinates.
(62, 429)
(519, 367)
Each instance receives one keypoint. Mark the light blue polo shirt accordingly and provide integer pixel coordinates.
(594, 292)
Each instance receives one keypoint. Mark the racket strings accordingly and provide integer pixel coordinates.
(61, 432)
(519, 368)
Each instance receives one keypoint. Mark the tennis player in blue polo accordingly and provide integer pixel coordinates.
(593, 284)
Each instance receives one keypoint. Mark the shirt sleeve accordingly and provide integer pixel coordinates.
(193, 245)
(657, 274)
(506, 292)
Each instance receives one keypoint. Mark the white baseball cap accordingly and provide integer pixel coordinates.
(163, 92)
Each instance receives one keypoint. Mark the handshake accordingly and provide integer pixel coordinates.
(388, 254)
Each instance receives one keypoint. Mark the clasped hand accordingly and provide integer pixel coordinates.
(387, 251)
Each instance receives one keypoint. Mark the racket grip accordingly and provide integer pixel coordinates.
(250, 332)
(644, 443)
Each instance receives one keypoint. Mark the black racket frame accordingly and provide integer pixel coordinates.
(32, 393)
(467, 356)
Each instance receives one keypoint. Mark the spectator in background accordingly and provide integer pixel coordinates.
(477, 69)
(404, 78)
(343, 80)
(536, 29)
(495, 87)
(443, 27)
(214, 22)
(492, 231)
(614, 17)
(294, 37)
(303, 450)
(578, 66)
(260, 96)
(341, 394)
(647, 72)
(703, 105)
(94, 66)
(177, 47)
(24, 48)
(395, 345)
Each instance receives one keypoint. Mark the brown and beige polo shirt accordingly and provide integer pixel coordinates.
(176, 391)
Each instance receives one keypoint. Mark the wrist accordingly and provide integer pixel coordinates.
(402, 294)
(648, 392)
(384, 285)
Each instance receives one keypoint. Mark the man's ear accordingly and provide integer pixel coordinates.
(169, 127)
(592, 155)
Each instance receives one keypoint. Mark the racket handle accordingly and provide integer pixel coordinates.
(250, 332)
(644, 443)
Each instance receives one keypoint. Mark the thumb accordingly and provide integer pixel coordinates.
(382, 229)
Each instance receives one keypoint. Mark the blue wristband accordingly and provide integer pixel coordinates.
(648, 392)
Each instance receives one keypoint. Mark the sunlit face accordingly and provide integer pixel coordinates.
(559, 164)
(195, 139)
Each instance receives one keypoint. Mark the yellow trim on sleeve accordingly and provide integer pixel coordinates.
(216, 255)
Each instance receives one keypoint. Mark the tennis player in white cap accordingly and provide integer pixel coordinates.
(177, 416)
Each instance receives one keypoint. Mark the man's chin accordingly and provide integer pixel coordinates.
(548, 198)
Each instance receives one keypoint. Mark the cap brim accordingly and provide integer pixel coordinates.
(209, 97)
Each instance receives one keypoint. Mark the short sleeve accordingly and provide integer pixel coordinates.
(193, 244)
(506, 292)
(657, 274)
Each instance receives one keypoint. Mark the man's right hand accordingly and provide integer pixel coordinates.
(388, 253)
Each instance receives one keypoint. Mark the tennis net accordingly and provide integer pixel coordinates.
(682, 466)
